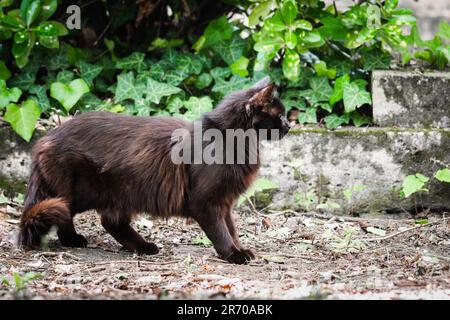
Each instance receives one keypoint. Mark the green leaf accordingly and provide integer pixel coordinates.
(196, 107)
(50, 42)
(30, 10)
(289, 11)
(65, 76)
(231, 50)
(235, 83)
(135, 61)
(333, 120)
(69, 94)
(88, 72)
(23, 118)
(51, 28)
(239, 67)
(444, 30)
(443, 175)
(290, 39)
(217, 31)
(338, 90)
(203, 81)
(25, 79)
(359, 120)
(413, 184)
(203, 241)
(355, 96)
(323, 71)
(126, 88)
(320, 91)
(21, 51)
(291, 65)
(309, 116)
(156, 90)
(48, 9)
(303, 25)
(376, 60)
(259, 185)
(5, 74)
(8, 95)
(261, 10)
(40, 97)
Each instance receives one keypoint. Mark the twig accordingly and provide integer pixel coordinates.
(58, 254)
(395, 234)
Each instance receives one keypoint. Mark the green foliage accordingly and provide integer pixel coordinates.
(19, 282)
(413, 184)
(259, 185)
(443, 175)
(319, 57)
(28, 27)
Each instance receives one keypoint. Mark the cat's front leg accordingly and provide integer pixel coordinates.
(213, 222)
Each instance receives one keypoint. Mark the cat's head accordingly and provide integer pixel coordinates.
(265, 110)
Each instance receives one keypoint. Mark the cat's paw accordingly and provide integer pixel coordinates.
(149, 248)
(242, 256)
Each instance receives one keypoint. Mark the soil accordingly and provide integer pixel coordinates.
(299, 256)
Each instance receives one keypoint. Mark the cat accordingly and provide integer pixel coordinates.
(121, 166)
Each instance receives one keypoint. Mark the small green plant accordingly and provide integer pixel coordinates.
(259, 185)
(311, 201)
(19, 282)
(203, 241)
(413, 184)
(28, 27)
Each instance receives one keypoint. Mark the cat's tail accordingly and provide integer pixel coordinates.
(37, 221)
(41, 211)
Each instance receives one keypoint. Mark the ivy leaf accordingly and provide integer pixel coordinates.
(413, 184)
(58, 61)
(355, 96)
(359, 120)
(203, 81)
(8, 95)
(239, 67)
(338, 90)
(235, 83)
(376, 60)
(68, 94)
(323, 71)
(309, 116)
(156, 90)
(65, 76)
(126, 88)
(333, 120)
(23, 118)
(26, 78)
(443, 175)
(135, 61)
(196, 107)
(40, 97)
(320, 91)
(89, 72)
(232, 49)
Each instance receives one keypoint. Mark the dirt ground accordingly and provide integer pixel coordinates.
(299, 255)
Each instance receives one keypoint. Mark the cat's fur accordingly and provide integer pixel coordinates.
(121, 166)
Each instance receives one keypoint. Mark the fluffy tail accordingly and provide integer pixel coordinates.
(37, 221)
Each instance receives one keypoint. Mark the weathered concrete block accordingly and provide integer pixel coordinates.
(411, 99)
(321, 166)
(318, 166)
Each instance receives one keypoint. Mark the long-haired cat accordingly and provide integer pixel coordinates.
(121, 166)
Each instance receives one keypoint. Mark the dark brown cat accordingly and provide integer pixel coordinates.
(121, 166)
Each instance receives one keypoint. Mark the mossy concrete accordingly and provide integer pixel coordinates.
(361, 170)
(331, 166)
(411, 99)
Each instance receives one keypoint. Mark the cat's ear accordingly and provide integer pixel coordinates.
(263, 96)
